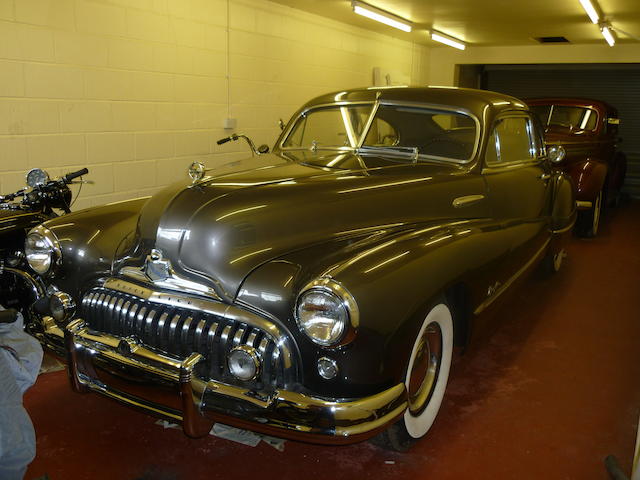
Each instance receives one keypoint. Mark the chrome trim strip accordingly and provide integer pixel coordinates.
(466, 200)
(509, 282)
(173, 282)
(583, 204)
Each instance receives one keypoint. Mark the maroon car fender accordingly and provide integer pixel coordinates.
(589, 177)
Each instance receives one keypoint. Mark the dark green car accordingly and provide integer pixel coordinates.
(315, 292)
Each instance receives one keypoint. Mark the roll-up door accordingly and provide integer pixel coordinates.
(618, 85)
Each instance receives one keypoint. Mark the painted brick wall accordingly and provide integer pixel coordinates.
(137, 89)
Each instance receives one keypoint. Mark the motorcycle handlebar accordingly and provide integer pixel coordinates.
(70, 176)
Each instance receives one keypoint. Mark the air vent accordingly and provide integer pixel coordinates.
(552, 39)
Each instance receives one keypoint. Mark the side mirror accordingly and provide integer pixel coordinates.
(556, 153)
(281, 124)
(262, 149)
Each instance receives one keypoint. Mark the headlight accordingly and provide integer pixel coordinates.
(327, 313)
(42, 249)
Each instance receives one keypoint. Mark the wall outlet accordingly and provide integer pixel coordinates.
(230, 123)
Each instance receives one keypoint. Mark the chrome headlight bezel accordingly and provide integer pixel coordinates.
(51, 248)
(344, 300)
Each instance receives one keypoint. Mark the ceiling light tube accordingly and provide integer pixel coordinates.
(380, 16)
(591, 10)
(447, 40)
(608, 36)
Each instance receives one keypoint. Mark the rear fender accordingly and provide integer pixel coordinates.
(563, 213)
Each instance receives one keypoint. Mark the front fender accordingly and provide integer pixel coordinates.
(393, 280)
(88, 240)
(589, 177)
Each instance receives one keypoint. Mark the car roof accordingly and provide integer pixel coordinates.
(475, 101)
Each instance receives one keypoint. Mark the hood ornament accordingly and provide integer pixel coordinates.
(156, 267)
(196, 172)
(158, 271)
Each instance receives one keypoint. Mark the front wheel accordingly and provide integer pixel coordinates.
(425, 380)
(589, 220)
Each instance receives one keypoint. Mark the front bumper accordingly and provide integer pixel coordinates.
(167, 387)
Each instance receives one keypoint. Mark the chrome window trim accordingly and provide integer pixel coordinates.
(497, 166)
(292, 124)
(376, 105)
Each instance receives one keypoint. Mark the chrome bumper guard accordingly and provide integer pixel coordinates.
(92, 356)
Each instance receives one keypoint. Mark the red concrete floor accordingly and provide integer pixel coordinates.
(550, 393)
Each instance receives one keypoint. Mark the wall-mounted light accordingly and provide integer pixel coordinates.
(381, 16)
(608, 36)
(591, 10)
(447, 40)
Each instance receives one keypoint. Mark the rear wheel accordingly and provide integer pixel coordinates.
(425, 380)
(589, 220)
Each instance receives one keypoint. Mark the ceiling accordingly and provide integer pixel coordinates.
(488, 22)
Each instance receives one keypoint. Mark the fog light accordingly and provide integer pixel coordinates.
(327, 368)
(61, 306)
(244, 363)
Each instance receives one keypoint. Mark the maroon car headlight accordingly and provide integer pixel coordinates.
(327, 313)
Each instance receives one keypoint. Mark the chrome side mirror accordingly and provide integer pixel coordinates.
(262, 149)
(281, 124)
(556, 153)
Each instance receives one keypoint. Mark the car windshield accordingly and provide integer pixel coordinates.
(408, 132)
(573, 118)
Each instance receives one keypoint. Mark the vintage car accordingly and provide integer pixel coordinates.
(315, 292)
(588, 131)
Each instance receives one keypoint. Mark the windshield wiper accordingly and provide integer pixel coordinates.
(413, 152)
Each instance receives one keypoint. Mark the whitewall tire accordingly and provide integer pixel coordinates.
(418, 418)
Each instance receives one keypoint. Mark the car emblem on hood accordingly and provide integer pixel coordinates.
(156, 267)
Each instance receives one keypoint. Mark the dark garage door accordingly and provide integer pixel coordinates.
(618, 85)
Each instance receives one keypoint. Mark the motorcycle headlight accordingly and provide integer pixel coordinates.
(327, 313)
(42, 250)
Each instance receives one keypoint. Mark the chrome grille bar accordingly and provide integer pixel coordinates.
(180, 330)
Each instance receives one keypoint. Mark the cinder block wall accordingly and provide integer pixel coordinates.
(136, 90)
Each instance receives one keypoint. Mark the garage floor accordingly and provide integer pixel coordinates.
(550, 393)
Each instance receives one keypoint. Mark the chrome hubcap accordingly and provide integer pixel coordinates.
(426, 366)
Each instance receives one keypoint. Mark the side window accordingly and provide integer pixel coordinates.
(511, 141)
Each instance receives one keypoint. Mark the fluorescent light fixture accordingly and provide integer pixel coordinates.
(608, 36)
(380, 16)
(591, 10)
(447, 40)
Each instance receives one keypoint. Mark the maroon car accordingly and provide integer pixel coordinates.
(588, 131)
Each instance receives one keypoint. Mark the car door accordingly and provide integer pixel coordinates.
(517, 175)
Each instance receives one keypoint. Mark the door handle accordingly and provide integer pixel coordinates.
(545, 176)
(467, 200)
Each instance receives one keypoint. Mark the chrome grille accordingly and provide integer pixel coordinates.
(181, 331)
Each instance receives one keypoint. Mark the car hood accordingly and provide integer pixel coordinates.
(259, 209)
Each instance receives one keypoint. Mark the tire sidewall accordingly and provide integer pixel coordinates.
(417, 426)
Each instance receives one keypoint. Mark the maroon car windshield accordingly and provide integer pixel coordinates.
(571, 117)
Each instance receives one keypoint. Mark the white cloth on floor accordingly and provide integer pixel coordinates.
(20, 359)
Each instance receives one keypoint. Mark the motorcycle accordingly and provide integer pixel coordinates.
(20, 211)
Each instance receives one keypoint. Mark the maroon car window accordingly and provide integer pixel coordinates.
(573, 118)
